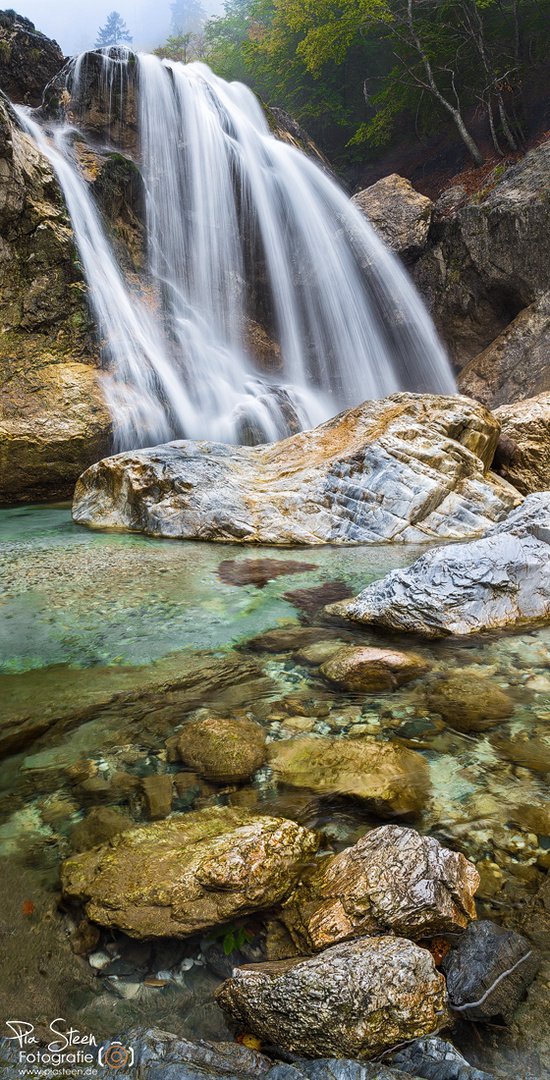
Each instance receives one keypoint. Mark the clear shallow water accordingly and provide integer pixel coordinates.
(88, 615)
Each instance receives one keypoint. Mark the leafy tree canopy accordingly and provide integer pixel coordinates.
(115, 32)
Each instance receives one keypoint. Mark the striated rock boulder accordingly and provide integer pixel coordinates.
(177, 877)
(516, 365)
(527, 424)
(499, 581)
(224, 751)
(356, 999)
(480, 979)
(28, 59)
(386, 776)
(487, 258)
(409, 467)
(53, 418)
(371, 669)
(470, 703)
(392, 879)
(436, 1059)
(400, 215)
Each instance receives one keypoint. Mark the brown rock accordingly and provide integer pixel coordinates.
(175, 878)
(400, 215)
(470, 703)
(527, 425)
(288, 637)
(157, 793)
(98, 827)
(354, 1000)
(28, 59)
(85, 938)
(390, 778)
(223, 751)
(371, 669)
(391, 879)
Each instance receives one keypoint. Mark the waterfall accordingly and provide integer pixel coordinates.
(234, 214)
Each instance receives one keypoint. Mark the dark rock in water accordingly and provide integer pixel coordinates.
(470, 703)
(259, 571)
(436, 1059)
(487, 955)
(311, 600)
(286, 638)
(501, 580)
(334, 1069)
(367, 669)
(222, 750)
(28, 59)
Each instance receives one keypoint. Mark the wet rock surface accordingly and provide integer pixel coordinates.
(355, 999)
(371, 669)
(28, 59)
(392, 879)
(53, 417)
(436, 1059)
(489, 971)
(387, 777)
(176, 877)
(400, 215)
(499, 581)
(527, 424)
(409, 467)
(223, 750)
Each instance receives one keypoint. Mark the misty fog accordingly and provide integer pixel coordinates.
(75, 25)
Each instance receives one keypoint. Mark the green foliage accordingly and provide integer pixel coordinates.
(234, 936)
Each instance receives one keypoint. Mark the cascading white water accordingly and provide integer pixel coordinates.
(231, 210)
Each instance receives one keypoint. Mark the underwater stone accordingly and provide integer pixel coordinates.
(501, 580)
(222, 750)
(470, 703)
(356, 999)
(388, 777)
(371, 669)
(408, 467)
(488, 955)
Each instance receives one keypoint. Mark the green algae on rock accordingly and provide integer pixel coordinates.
(386, 776)
(223, 750)
(190, 873)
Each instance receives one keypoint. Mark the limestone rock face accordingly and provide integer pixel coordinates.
(28, 59)
(387, 776)
(527, 423)
(356, 999)
(53, 418)
(223, 750)
(392, 879)
(515, 365)
(487, 259)
(470, 703)
(177, 877)
(400, 215)
(501, 580)
(371, 669)
(409, 467)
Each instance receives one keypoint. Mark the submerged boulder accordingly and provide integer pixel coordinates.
(175, 878)
(408, 467)
(470, 703)
(391, 879)
(370, 669)
(223, 750)
(386, 776)
(356, 999)
(498, 581)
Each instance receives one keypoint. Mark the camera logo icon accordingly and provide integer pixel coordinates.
(116, 1056)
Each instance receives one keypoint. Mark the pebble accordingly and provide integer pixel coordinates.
(99, 960)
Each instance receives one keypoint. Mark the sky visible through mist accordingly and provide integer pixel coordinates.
(74, 23)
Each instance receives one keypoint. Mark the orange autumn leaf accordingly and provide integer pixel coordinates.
(27, 907)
